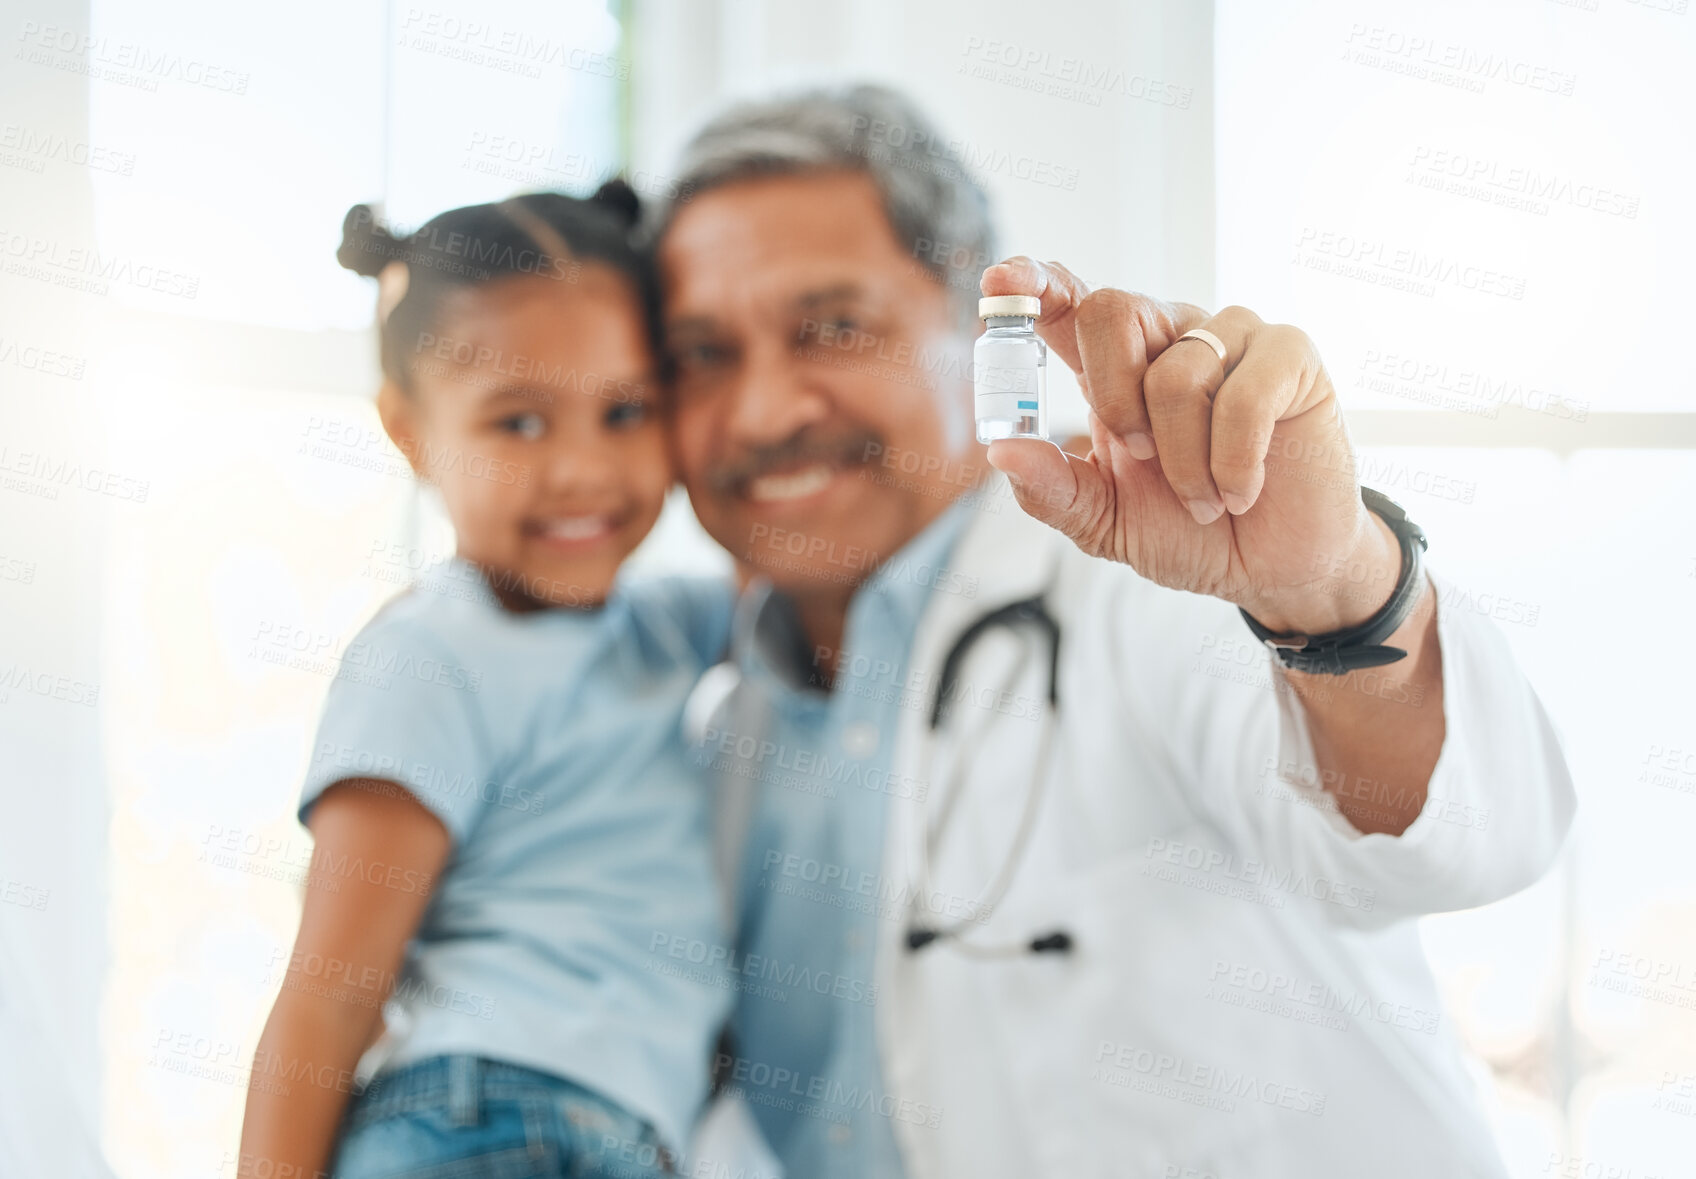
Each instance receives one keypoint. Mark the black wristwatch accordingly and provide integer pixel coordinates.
(1342, 651)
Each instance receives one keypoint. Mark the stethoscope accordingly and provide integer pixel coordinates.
(1027, 614)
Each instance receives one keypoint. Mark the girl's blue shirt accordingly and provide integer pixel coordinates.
(575, 927)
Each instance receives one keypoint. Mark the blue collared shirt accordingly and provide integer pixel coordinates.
(811, 892)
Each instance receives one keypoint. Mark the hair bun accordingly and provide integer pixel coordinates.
(367, 245)
(617, 195)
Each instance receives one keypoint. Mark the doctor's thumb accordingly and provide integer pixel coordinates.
(1061, 490)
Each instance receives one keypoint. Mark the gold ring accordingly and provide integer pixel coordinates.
(1206, 337)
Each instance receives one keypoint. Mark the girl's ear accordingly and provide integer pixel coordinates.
(399, 414)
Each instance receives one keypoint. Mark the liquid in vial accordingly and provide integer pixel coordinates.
(1010, 369)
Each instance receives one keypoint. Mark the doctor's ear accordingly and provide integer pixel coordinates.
(399, 414)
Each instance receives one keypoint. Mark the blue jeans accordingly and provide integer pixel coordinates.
(460, 1117)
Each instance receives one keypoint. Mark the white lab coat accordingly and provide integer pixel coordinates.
(1247, 996)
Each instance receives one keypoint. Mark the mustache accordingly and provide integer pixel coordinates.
(842, 448)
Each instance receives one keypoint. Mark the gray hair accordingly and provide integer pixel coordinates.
(937, 209)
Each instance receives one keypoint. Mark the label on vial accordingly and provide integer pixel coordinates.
(1007, 380)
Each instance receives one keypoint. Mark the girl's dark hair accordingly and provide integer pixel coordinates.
(544, 234)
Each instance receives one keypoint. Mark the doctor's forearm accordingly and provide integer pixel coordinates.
(1377, 732)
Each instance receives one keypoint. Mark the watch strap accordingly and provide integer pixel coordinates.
(1346, 650)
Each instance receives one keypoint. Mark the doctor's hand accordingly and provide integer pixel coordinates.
(1234, 479)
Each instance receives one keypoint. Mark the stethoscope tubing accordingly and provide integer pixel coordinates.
(1028, 612)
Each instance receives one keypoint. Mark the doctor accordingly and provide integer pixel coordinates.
(1141, 907)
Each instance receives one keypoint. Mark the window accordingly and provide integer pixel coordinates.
(1466, 208)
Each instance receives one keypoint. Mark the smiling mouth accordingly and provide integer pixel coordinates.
(797, 469)
(788, 486)
(575, 531)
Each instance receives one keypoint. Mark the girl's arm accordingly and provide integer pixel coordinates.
(377, 855)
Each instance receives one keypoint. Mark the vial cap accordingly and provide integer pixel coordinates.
(1009, 305)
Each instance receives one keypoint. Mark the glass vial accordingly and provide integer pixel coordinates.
(1010, 369)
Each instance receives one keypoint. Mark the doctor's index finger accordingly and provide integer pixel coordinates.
(1061, 292)
(1119, 335)
(1106, 336)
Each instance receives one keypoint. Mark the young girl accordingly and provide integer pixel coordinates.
(506, 824)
